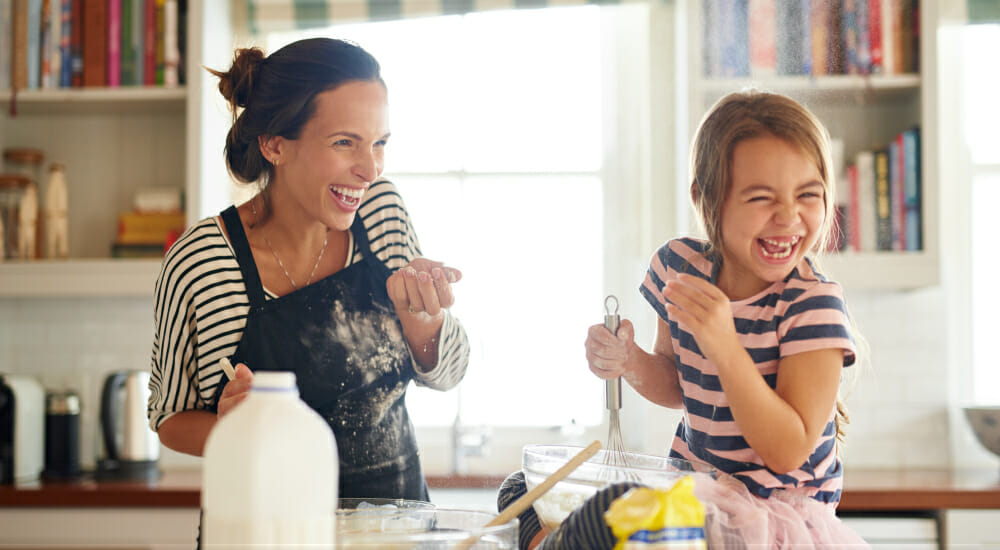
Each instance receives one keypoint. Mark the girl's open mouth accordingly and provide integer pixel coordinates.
(778, 248)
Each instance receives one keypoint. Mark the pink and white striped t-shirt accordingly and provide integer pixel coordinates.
(804, 312)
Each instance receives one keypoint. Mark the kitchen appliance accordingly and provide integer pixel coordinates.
(131, 448)
(22, 425)
(62, 435)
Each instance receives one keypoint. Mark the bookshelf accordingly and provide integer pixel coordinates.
(865, 112)
(113, 141)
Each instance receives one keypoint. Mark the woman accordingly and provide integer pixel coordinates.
(319, 273)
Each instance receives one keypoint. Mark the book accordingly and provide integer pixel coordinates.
(125, 45)
(861, 21)
(160, 44)
(849, 36)
(762, 37)
(76, 43)
(138, 34)
(95, 43)
(149, 43)
(888, 39)
(45, 46)
(34, 44)
(55, 43)
(19, 46)
(867, 214)
(65, 37)
(883, 212)
(171, 54)
(6, 42)
(853, 209)
(148, 227)
(875, 34)
(114, 45)
(897, 208)
(788, 44)
(912, 189)
(736, 45)
(834, 38)
(818, 29)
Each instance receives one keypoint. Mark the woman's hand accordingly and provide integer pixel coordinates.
(607, 354)
(422, 288)
(707, 313)
(236, 390)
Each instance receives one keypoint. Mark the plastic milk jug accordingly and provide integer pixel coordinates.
(270, 472)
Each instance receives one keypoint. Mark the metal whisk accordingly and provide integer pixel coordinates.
(614, 455)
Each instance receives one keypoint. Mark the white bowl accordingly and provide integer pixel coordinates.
(985, 422)
(429, 528)
(601, 470)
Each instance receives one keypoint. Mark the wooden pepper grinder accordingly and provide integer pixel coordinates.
(56, 213)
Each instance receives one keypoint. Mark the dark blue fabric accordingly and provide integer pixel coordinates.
(342, 339)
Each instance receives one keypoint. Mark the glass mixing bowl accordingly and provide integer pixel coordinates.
(424, 528)
(599, 471)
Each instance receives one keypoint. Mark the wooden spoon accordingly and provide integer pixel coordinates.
(531, 496)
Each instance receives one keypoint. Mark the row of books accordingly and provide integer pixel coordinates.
(91, 43)
(761, 38)
(883, 197)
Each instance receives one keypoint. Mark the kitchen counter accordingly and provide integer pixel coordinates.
(864, 490)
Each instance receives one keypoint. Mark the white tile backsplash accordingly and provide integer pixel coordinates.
(899, 406)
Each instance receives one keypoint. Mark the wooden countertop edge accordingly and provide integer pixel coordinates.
(182, 490)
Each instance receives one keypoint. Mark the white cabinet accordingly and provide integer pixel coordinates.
(864, 112)
(896, 533)
(65, 528)
(114, 141)
(971, 529)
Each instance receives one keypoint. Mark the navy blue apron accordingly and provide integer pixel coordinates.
(343, 340)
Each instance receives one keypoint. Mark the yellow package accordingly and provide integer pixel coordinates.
(658, 519)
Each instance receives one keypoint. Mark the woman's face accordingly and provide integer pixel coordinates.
(339, 152)
(772, 216)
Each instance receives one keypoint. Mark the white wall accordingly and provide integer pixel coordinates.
(899, 409)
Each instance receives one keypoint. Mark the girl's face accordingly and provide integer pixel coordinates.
(339, 152)
(772, 216)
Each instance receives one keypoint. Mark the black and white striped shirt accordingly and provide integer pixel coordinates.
(201, 307)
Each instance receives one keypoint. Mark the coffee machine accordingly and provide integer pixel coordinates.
(22, 428)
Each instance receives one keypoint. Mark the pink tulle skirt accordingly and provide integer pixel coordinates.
(736, 519)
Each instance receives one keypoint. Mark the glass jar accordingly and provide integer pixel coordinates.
(25, 161)
(12, 188)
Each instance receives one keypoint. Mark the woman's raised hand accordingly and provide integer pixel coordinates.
(423, 287)
(608, 354)
(236, 390)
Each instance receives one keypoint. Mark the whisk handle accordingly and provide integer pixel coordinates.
(613, 394)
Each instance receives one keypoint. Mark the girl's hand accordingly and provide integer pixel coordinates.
(236, 390)
(707, 313)
(608, 355)
(422, 288)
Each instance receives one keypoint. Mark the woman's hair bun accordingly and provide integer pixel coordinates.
(237, 84)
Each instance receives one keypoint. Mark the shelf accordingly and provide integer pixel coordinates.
(104, 100)
(882, 270)
(855, 89)
(78, 278)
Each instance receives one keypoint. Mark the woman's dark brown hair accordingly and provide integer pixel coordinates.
(274, 95)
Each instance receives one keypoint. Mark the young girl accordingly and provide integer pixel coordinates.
(751, 338)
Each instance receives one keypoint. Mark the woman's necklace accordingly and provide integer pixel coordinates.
(326, 239)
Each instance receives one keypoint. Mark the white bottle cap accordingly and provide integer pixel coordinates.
(274, 380)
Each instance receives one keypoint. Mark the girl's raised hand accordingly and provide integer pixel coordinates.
(608, 355)
(707, 313)
(422, 288)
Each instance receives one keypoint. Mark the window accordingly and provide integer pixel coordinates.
(980, 119)
(497, 149)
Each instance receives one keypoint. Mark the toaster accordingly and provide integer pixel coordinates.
(22, 428)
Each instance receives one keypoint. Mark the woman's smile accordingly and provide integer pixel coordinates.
(347, 198)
